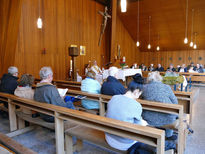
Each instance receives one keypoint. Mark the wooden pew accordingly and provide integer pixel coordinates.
(64, 84)
(150, 136)
(148, 105)
(14, 146)
(187, 99)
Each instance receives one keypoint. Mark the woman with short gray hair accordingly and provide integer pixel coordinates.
(156, 91)
(46, 92)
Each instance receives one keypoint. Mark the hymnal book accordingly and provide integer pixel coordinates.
(62, 92)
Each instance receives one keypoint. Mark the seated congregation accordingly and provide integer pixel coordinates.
(198, 68)
(124, 101)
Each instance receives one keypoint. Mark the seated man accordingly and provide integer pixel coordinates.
(112, 86)
(171, 68)
(46, 92)
(9, 82)
(159, 68)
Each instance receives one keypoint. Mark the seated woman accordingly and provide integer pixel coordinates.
(125, 108)
(156, 91)
(24, 89)
(90, 85)
(46, 92)
(137, 79)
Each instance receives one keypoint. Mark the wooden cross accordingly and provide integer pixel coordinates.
(103, 26)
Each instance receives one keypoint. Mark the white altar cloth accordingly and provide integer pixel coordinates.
(122, 74)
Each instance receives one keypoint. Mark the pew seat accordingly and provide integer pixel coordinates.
(40, 122)
(94, 136)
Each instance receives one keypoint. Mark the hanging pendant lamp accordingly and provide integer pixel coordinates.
(158, 48)
(138, 31)
(192, 29)
(186, 39)
(149, 46)
(195, 46)
(39, 21)
(123, 5)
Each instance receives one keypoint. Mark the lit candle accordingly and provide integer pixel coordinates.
(71, 65)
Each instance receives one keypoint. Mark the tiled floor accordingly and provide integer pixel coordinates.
(42, 140)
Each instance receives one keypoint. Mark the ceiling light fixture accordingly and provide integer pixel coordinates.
(138, 25)
(123, 4)
(195, 46)
(192, 29)
(39, 21)
(149, 46)
(186, 39)
(158, 48)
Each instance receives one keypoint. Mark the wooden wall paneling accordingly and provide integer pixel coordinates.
(146, 57)
(4, 15)
(113, 29)
(66, 22)
(11, 33)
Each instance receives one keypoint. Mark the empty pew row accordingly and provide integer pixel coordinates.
(144, 134)
(148, 105)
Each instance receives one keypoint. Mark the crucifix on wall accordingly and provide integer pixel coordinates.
(103, 26)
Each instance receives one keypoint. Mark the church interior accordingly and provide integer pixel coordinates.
(102, 76)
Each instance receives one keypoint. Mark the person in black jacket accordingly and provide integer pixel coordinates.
(171, 68)
(9, 82)
(159, 68)
(112, 86)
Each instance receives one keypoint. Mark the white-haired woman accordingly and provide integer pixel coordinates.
(9, 82)
(46, 92)
(156, 91)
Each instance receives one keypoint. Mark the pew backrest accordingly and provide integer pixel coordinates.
(147, 135)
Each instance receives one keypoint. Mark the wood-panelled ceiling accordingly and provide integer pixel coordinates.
(167, 20)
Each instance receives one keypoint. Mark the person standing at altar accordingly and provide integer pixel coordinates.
(112, 86)
(95, 68)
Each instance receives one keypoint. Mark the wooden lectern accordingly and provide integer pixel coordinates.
(73, 52)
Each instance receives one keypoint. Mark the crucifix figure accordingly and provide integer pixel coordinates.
(103, 26)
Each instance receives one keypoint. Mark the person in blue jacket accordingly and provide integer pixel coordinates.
(90, 85)
(112, 86)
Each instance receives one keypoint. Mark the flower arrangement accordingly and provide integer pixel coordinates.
(122, 62)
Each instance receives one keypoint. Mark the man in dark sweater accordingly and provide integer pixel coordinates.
(159, 68)
(112, 86)
(9, 82)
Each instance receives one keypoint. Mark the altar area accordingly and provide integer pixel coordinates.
(122, 74)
